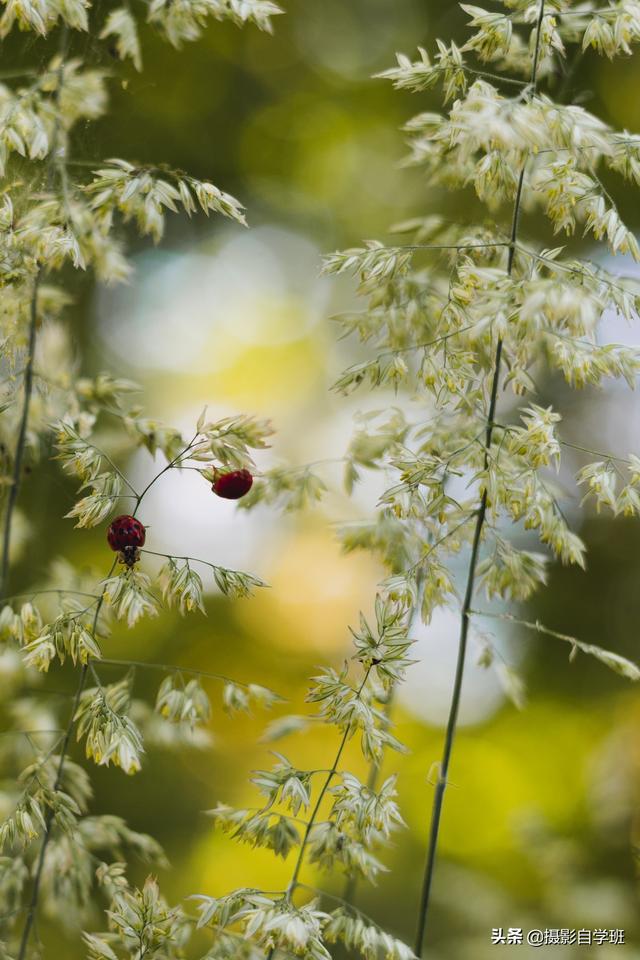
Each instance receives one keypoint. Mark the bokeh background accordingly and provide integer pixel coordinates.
(541, 820)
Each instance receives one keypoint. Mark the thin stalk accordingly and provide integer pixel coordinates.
(29, 733)
(172, 463)
(316, 809)
(35, 892)
(18, 458)
(37, 880)
(336, 899)
(173, 668)
(11, 503)
(454, 707)
(325, 786)
(348, 897)
(175, 556)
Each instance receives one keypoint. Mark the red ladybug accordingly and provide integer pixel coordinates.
(126, 535)
(233, 484)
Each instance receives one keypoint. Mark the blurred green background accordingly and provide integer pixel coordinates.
(541, 820)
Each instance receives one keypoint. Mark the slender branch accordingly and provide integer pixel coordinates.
(171, 464)
(321, 795)
(450, 246)
(37, 880)
(134, 493)
(434, 546)
(173, 668)
(575, 446)
(13, 496)
(582, 344)
(30, 733)
(60, 591)
(483, 73)
(31, 343)
(174, 556)
(18, 458)
(424, 344)
(595, 453)
(35, 893)
(343, 901)
(454, 707)
(351, 884)
(316, 809)
(575, 269)
(529, 625)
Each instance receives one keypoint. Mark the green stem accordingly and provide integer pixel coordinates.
(35, 892)
(22, 434)
(454, 707)
(171, 464)
(331, 774)
(31, 344)
(316, 809)
(348, 897)
(173, 668)
(37, 880)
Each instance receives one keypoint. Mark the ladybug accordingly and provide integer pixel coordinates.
(126, 535)
(233, 484)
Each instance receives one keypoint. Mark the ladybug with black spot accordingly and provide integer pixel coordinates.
(126, 535)
(232, 484)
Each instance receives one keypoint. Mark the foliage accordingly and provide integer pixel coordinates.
(56, 221)
(451, 320)
(466, 311)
